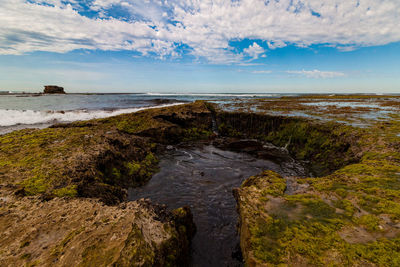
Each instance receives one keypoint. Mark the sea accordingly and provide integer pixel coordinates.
(19, 111)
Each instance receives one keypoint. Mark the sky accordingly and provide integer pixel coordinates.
(201, 46)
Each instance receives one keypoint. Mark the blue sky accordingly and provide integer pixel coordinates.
(201, 46)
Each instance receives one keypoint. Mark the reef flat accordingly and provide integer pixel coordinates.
(348, 213)
(63, 192)
(63, 189)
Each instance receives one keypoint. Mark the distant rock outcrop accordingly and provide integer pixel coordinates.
(53, 89)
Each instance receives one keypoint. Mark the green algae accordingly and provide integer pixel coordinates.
(369, 221)
(326, 146)
(142, 170)
(95, 158)
(28, 156)
(140, 123)
(358, 171)
(274, 184)
(133, 172)
(136, 249)
(35, 185)
(59, 248)
(194, 133)
(348, 208)
(68, 191)
(99, 255)
(358, 186)
(313, 236)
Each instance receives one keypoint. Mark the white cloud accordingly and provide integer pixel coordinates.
(205, 27)
(346, 48)
(261, 71)
(29, 27)
(316, 73)
(254, 51)
(276, 44)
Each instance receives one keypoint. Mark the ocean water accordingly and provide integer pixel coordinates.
(21, 111)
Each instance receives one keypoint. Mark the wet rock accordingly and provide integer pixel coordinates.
(255, 147)
(96, 158)
(60, 188)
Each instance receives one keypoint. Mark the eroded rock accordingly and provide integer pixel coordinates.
(85, 232)
(53, 89)
(62, 192)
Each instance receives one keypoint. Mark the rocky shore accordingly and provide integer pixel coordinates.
(63, 190)
(347, 214)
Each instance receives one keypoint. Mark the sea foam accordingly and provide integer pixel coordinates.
(10, 117)
(212, 95)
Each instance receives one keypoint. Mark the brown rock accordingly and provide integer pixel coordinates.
(84, 232)
(53, 89)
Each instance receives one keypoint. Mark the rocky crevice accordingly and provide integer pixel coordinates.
(324, 147)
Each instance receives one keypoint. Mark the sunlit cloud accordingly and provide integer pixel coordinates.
(206, 28)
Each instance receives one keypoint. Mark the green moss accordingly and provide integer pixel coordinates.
(228, 130)
(136, 250)
(327, 146)
(52, 161)
(69, 191)
(34, 156)
(141, 171)
(371, 222)
(196, 134)
(265, 247)
(99, 255)
(140, 123)
(346, 206)
(116, 173)
(275, 238)
(313, 206)
(272, 183)
(59, 248)
(36, 185)
(384, 252)
(307, 225)
(33, 263)
(359, 173)
(133, 168)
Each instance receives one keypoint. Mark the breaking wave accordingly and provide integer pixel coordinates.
(10, 117)
(212, 95)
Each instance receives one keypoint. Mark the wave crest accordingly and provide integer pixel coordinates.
(11, 117)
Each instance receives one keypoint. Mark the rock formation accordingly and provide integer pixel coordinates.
(74, 212)
(53, 89)
(63, 190)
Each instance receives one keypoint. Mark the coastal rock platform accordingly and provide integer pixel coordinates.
(63, 189)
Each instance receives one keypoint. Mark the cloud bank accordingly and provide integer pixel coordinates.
(203, 29)
(316, 73)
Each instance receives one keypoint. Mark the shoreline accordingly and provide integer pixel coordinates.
(333, 95)
(55, 117)
(349, 204)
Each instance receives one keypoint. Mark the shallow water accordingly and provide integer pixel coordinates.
(352, 104)
(202, 177)
(19, 111)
